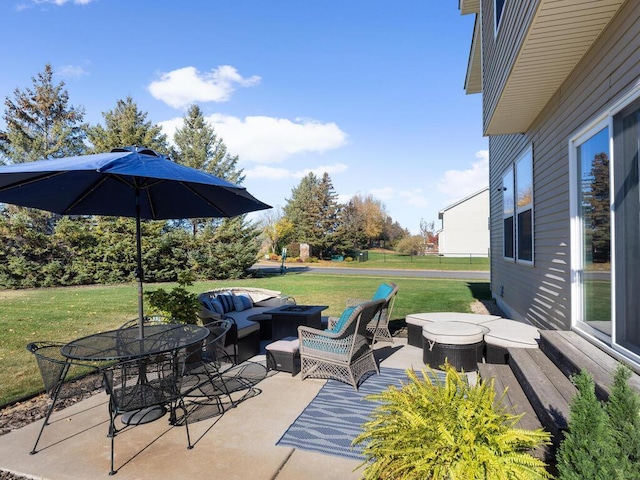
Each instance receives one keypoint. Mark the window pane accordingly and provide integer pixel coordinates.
(594, 205)
(626, 132)
(524, 181)
(507, 212)
(508, 237)
(499, 7)
(507, 192)
(524, 207)
(525, 236)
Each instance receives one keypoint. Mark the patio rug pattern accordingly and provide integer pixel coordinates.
(335, 416)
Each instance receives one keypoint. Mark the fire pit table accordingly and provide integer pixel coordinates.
(287, 318)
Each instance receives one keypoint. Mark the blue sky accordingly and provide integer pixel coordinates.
(370, 91)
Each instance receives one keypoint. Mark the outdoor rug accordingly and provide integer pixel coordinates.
(335, 416)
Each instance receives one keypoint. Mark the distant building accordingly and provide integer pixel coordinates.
(465, 227)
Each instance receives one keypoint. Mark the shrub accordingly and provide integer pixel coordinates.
(179, 304)
(623, 409)
(602, 439)
(447, 429)
(586, 451)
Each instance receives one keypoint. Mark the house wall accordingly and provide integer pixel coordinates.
(465, 228)
(541, 293)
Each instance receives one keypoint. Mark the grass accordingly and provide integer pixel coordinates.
(62, 314)
(383, 259)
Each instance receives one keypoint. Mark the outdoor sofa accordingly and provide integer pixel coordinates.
(245, 307)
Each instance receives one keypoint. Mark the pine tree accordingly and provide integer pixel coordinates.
(623, 408)
(228, 251)
(587, 450)
(125, 126)
(313, 211)
(41, 123)
(198, 146)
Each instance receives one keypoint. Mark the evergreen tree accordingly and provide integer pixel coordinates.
(115, 254)
(198, 146)
(313, 211)
(41, 123)
(623, 408)
(587, 450)
(125, 126)
(228, 251)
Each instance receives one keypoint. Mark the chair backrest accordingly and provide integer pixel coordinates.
(213, 351)
(388, 292)
(353, 339)
(52, 364)
(148, 320)
(144, 382)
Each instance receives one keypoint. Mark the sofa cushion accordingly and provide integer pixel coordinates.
(511, 333)
(242, 302)
(453, 333)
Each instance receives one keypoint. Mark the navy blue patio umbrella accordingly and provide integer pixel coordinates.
(127, 182)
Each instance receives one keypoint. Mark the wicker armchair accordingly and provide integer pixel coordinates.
(378, 327)
(345, 353)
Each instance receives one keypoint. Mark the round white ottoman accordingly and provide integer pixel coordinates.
(415, 322)
(504, 334)
(461, 344)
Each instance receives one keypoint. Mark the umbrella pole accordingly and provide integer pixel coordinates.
(139, 271)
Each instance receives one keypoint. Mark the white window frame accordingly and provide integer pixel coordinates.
(576, 227)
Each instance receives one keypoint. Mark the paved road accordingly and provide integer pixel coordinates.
(385, 272)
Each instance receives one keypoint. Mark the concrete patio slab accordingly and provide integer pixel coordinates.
(240, 444)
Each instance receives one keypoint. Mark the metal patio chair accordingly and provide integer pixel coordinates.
(54, 369)
(142, 390)
(203, 379)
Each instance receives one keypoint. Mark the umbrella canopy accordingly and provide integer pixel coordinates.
(108, 183)
(126, 182)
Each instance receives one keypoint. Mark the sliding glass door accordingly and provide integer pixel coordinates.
(626, 208)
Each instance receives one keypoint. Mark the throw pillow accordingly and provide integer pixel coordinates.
(216, 306)
(226, 299)
(246, 301)
(242, 302)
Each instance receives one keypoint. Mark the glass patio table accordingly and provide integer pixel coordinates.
(124, 343)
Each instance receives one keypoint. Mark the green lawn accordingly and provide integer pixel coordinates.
(424, 262)
(62, 314)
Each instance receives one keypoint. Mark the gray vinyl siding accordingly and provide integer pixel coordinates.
(499, 53)
(542, 293)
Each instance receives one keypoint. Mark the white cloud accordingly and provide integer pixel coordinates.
(261, 139)
(457, 184)
(415, 198)
(71, 71)
(275, 173)
(385, 193)
(187, 85)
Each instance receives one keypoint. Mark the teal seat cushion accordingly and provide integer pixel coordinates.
(342, 320)
(383, 292)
